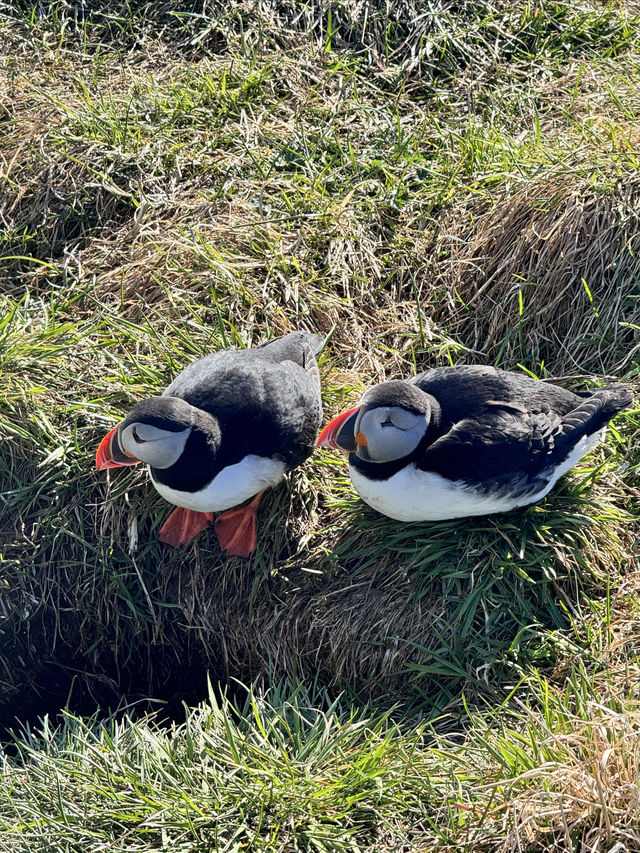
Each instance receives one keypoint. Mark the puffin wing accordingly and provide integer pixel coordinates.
(504, 441)
(298, 347)
(198, 381)
(464, 390)
(509, 438)
(266, 399)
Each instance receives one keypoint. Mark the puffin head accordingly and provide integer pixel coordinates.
(155, 431)
(389, 423)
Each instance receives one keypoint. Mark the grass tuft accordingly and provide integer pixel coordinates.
(426, 187)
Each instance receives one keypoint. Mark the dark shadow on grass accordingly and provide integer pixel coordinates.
(395, 614)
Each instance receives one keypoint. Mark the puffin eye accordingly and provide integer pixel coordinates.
(136, 437)
(400, 419)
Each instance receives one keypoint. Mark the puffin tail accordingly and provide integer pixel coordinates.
(594, 413)
(614, 398)
(296, 347)
(315, 342)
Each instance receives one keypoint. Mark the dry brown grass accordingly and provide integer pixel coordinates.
(309, 193)
(586, 793)
(570, 253)
(426, 189)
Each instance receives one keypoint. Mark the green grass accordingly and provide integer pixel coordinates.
(432, 186)
(328, 776)
(295, 770)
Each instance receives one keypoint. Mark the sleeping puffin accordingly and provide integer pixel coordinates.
(228, 427)
(468, 440)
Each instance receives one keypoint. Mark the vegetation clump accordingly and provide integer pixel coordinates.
(425, 187)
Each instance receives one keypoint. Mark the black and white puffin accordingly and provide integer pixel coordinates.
(228, 427)
(469, 440)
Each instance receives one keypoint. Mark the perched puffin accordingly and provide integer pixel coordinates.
(228, 427)
(468, 440)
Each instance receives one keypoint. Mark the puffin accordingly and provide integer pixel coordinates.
(468, 440)
(226, 429)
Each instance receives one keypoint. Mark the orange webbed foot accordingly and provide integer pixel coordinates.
(183, 525)
(237, 529)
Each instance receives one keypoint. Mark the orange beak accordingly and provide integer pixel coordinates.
(109, 454)
(331, 438)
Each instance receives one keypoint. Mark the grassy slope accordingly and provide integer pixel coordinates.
(452, 187)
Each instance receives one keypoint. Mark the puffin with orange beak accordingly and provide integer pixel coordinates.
(227, 428)
(465, 441)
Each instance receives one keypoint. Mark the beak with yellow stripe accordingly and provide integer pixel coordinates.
(110, 455)
(339, 434)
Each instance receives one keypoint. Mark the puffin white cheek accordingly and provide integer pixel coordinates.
(165, 452)
(127, 444)
(161, 452)
(386, 443)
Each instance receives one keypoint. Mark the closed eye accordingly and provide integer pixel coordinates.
(136, 437)
(390, 422)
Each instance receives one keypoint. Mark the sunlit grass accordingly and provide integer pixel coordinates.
(425, 187)
(292, 769)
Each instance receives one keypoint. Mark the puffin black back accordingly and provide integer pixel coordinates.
(247, 416)
(502, 440)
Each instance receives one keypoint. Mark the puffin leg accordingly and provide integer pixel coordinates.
(237, 529)
(183, 525)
